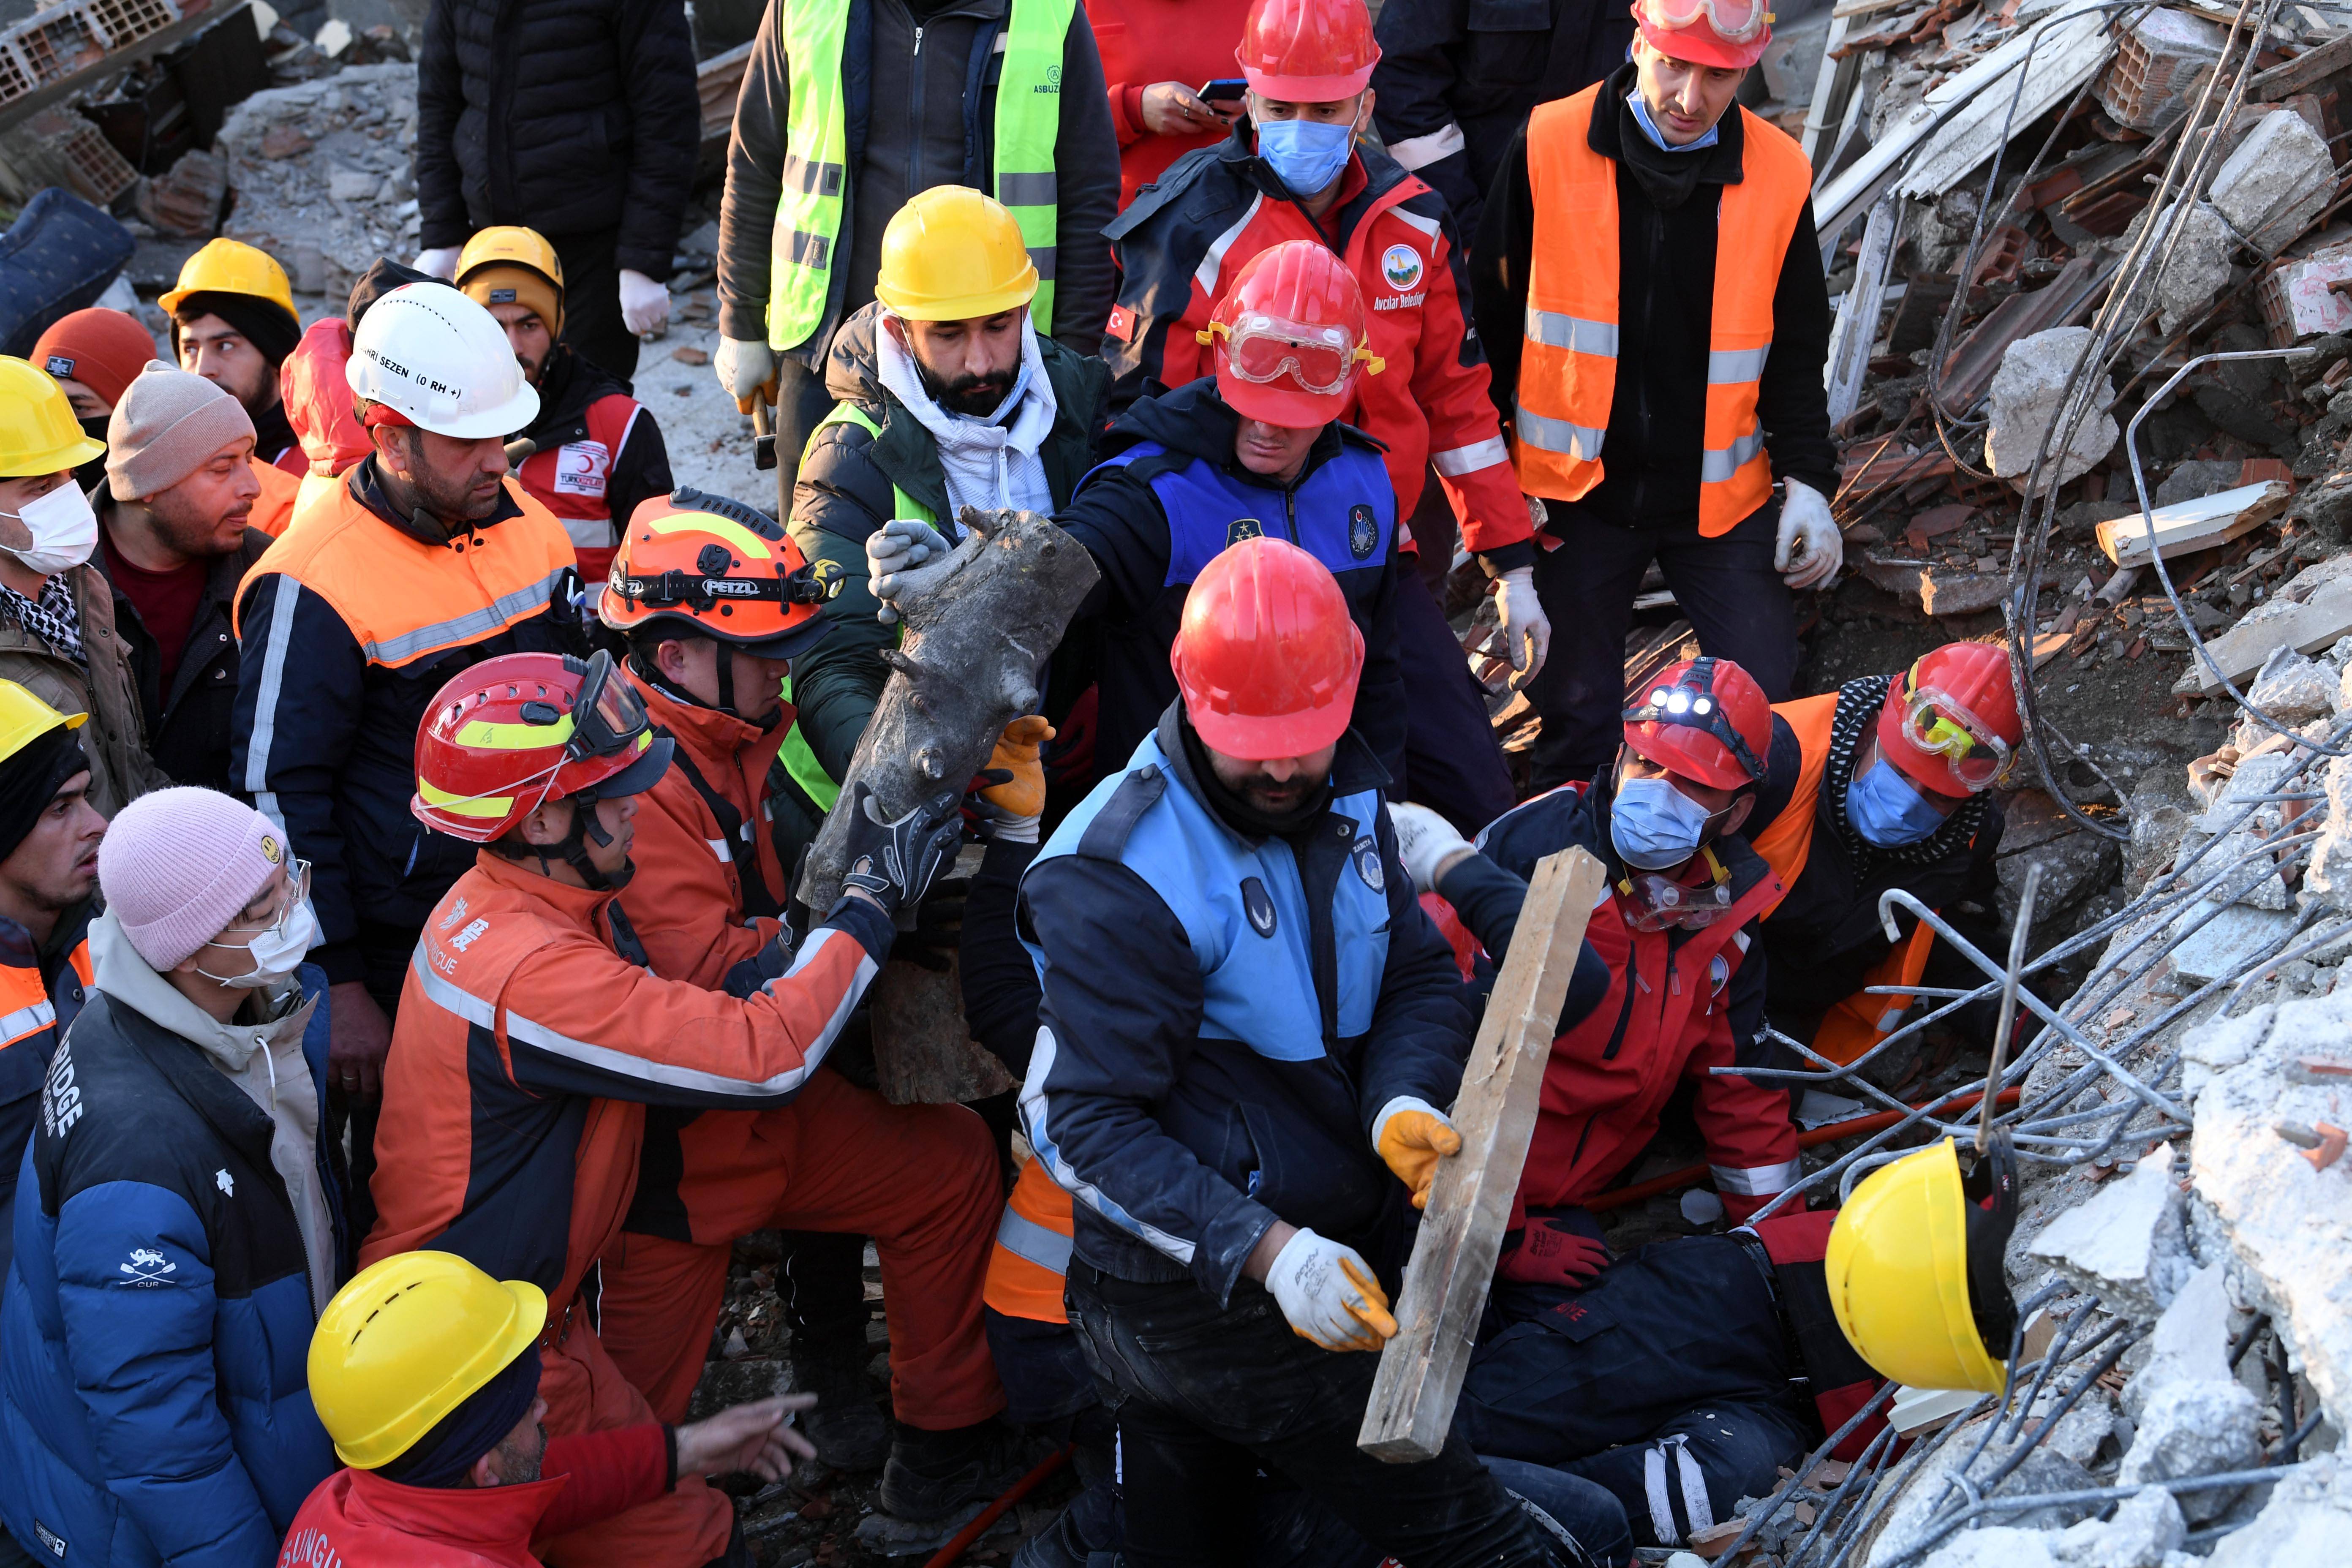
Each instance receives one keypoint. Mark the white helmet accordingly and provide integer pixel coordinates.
(442, 361)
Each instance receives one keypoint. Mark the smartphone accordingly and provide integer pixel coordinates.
(1223, 90)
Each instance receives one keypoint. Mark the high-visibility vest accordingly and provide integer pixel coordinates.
(1031, 1256)
(799, 761)
(273, 509)
(804, 243)
(1568, 366)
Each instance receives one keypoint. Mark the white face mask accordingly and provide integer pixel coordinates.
(64, 530)
(276, 953)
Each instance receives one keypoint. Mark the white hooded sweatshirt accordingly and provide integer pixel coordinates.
(991, 463)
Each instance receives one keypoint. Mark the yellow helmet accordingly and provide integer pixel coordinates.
(953, 254)
(522, 261)
(39, 432)
(230, 267)
(24, 718)
(1915, 1271)
(407, 1341)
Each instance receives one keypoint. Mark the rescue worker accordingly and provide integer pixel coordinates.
(1647, 281)
(176, 536)
(179, 1226)
(425, 1372)
(1190, 982)
(708, 651)
(950, 396)
(525, 1168)
(1291, 172)
(848, 112)
(56, 617)
(49, 873)
(1885, 782)
(94, 354)
(596, 451)
(233, 322)
(1684, 991)
(427, 557)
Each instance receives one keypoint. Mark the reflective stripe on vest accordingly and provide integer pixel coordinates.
(804, 243)
(1032, 1254)
(1568, 369)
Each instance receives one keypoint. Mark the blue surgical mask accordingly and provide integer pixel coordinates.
(1887, 809)
(1308, 153)
(1655, 825)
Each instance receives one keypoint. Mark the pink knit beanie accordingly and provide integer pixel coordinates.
(178, 865)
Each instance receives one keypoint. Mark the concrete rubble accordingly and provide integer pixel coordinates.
(322, 173)
(2028, 392)
(2274, 185)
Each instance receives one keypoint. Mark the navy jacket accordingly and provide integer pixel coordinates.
(1225, 1018)
(1172, 497)
(157, 1324)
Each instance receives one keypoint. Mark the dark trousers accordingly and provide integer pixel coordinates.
(1206, 1394)
(821, 1281)
(591, 301)
(1725, 586)
(802, 403)
(1452, 763)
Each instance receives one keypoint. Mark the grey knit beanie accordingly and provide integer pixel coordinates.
(169, 424)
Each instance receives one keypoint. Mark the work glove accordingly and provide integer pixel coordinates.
(894, 861)
(746, 370)
(900, 546)
(1548, 1253)
(1526, 630)
(1810, 550)
(1427, 843)
(1328, 1292)
(644, 304)
(1411, 1135)
(439, 263)
(1014, 800)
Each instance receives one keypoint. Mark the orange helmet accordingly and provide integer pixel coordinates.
(1704, 719)
(1267, 655)
(718, 567)
(1950, 721)
(516, 731)
(1289, 334)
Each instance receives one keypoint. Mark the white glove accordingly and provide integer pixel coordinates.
(1330, 1294)
(1526, 630)
(744, 369)
(1427, 843)
(644, 304)
(897, 546)
(438, 263)
(1809, 535)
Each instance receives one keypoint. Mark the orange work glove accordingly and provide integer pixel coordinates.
(1021, 798)
(1412, 1135)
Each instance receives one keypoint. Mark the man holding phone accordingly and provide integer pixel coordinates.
(1170, 68)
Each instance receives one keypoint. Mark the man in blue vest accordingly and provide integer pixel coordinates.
(1246, 1028)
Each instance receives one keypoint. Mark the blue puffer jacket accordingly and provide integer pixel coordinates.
(157, 1320)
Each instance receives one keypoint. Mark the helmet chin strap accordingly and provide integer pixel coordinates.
(572, 849)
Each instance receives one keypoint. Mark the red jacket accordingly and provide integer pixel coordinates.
(1146, 41)
(1429, 406)
(356, 1519)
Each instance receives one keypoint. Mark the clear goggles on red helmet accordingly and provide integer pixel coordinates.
(1655, 902)
(607, 716)
(1936, 726)
(1734, 21)
(1262, 349)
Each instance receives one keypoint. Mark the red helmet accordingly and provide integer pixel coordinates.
(1950, 721)
(1267, 656)
(516, 731)
(1727, 33)
(1308, 51)
(1289, 334)
(1704, 719)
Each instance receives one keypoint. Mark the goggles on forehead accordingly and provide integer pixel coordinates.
(1261, 349)
(1936, 725)
(607, 716)
(1734, 21)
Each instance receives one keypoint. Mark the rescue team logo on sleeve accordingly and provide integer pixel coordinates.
(1258, 904)
(1365, 854)
(581, 468)
(1243, 528)
(1363, 530)
(1400, 267)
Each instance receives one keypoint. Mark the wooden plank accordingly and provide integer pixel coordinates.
(1412, 1405)
(2307, 68)
(2312, 627)
(717, 82)
(1848, 365)
(2192, 525)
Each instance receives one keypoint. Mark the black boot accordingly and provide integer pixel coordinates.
(932, 1474)
(849, 1431)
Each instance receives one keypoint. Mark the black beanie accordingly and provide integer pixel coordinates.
(448, 1451)
(29, 780)
(264, 323)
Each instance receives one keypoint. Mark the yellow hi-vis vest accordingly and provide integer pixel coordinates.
(808, 214)
(1568, 367)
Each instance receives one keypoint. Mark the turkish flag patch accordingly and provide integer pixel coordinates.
(1122, 324)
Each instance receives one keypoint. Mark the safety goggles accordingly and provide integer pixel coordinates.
(1734, 21)
(1693, 705)
(1653, 901)
(607, 716)
(1937, 726)
(1264, 349)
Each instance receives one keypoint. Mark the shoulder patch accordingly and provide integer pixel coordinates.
(1258, 904)
(1363, 530)
(1106, 836)
(1366, 855)
(1400, 267)
(1243, 528)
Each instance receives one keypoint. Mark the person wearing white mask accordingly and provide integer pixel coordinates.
(181, 1211)
(57, 615)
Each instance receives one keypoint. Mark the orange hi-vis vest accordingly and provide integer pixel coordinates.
(404, 599)
(1031, 1256)
(1860, 1021)
(1568, 367)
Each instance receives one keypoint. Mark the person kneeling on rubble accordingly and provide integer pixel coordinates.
(1246, 1028)
(1885, 782)
(1686, 1374)
(424, 1371)
(532, 1031)
(1682, 992)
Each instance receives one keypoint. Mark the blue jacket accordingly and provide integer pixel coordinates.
(1159, 511)
(156, 1329)
(1224, 1018)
